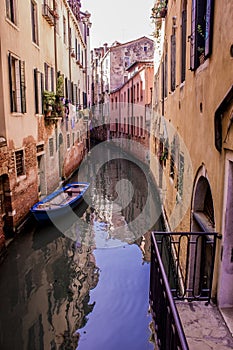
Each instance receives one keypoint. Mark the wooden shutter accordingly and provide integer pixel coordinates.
(183, 44)
(193, 59)
(209, 27)
(42, 89)
(10, 82)
(52, 79)
(36, 91)
(22, 86)
(66, 88)
(84, 100)
(46, 75)
(173, 62)
(165, 75)
(79, 52)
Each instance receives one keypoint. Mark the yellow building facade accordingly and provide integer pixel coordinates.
(44, 86)
(191, 141)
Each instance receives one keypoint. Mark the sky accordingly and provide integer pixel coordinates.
(121, 20)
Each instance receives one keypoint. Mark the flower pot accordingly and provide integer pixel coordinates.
(163, 12)
(202, 58)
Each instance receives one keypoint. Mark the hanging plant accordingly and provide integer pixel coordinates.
(159, 10)
(49, 98)
(60, 86)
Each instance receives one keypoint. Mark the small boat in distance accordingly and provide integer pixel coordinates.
(59, 202)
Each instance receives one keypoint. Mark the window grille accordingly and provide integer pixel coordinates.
(51, 147)
(19, 162)
(68, 140)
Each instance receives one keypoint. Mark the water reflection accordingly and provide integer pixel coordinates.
(59, 291)
(46, 290)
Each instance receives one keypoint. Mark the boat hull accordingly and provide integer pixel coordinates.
(70, 197)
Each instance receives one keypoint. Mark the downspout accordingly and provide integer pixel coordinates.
(55, 43)
(119, 124)
(68, 17)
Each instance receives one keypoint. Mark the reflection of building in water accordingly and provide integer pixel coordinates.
(120, 199)
(53, 298)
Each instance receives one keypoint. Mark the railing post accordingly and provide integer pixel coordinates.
(170, 334)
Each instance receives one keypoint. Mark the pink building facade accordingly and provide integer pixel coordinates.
(130, 105)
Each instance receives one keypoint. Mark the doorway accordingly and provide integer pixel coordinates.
(226, 277)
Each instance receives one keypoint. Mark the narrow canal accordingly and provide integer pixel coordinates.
(83, 283)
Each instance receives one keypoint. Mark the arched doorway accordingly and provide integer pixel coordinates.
(202, 220)
(5, 206)
(225, 290)
(202, 207)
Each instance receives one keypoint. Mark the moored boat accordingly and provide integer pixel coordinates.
(60, 202)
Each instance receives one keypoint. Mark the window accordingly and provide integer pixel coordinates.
(141, 89)
(173, 62)
(141, 126)
(201, 31)
(172, 161)
(10, 10)
(34, 22)
(2, 200)
(76, 48)
(64, 30)
(17, 84)
(51, 147)
(68, 140)
(19, 162)
(79, 52)
(180, 182)
(127, 61)
(49, 77)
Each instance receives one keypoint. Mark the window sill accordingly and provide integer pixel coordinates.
(17, 114)
(21, 178)
(12, 24)
(36, 45)
(203, 66)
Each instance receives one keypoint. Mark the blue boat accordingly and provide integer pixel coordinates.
(60, 202)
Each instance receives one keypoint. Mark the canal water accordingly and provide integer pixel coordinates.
(83, 283)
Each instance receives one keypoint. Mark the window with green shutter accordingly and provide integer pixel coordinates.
(17, 84)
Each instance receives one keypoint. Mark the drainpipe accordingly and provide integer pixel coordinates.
(68, 16)
(55, 44)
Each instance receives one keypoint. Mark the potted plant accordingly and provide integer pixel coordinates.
(49, 98)
(201, 47)
(160, 9)
(59, 105)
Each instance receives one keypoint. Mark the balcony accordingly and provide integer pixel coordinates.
(48, 14)
(182, 266)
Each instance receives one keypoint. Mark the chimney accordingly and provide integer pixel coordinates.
(105, 47)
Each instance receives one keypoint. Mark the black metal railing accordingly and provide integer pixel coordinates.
(48, 14)
(168, 327)
(188, 259)
(182, 265)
